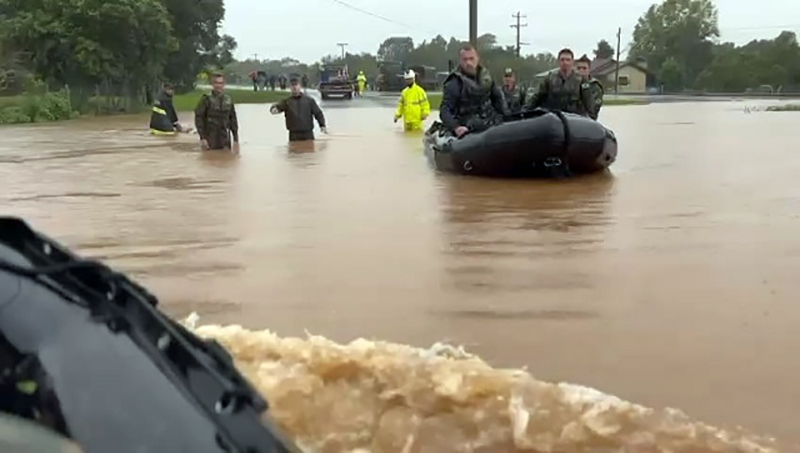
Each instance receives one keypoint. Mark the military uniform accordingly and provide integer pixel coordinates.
(597, 91)
(300, 112)
(475, 102)
(515, 99)
(568, 94)
(215, 120)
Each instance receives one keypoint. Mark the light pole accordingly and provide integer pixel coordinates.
(473, 22)
(342, 45)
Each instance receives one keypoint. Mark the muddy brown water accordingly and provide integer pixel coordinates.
(671, 281)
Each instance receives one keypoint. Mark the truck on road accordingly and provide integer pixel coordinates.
(334, 81)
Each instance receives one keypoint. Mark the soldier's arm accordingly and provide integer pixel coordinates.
(449, 106)
(541, 94)
(200, 115)
(234, 122)
(499, 100)
(317, 112)
(599, 92)
(587, 98)
(281, 106)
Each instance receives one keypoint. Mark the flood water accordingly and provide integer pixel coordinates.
(670, 282)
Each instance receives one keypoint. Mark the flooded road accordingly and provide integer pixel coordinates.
(670, 282)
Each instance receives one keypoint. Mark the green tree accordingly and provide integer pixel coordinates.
(120, 45)
(672, 75)
(195, 25)
(681, 29)
(395, 48)
(603, 50)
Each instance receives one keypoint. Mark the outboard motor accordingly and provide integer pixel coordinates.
(85, 352)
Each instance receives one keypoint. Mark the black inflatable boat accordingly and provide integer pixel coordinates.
(85, 352)
(539, 143)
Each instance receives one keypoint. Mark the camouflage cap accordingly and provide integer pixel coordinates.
(509, 71)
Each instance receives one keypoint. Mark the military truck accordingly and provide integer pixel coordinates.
(390, 77)
(334, 81)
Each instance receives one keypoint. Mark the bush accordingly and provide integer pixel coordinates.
(32, 108)
(13, 115)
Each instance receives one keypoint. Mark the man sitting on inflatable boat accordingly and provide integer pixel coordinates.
(471, 101)
(564, 89)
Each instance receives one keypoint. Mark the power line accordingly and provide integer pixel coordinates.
(518, 16)
(378, 16)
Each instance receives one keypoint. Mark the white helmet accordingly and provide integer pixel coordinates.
(410, 74)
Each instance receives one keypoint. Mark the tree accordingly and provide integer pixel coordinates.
(395, 48)
(119, 44)
(195, 25)
(681, 29)
(604, 50)
(672, 75)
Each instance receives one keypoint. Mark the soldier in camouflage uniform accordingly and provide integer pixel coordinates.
(564, 89)
(215, 118)
(515, 97)
(471, 101)
(583, 65)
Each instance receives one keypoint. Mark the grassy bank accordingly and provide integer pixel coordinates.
(188, 101)
(436, 99)
(784, 108)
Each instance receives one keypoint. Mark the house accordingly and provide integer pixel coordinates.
(634, 77)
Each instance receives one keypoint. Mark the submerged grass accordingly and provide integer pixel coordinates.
(784, 108)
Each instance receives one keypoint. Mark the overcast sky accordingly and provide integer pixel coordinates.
(310, 29)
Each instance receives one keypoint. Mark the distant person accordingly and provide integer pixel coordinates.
(254, 78)
(215, 118)
(164, 119)
(471, 101)
(272, 81)
(362, 82)
(564, 89)
(304, 82)
(512, 93)
(413, 107)
(300, 110)
(262, 79)
(583, 65)
(282, 81)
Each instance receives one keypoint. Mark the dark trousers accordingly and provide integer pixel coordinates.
(299, 136)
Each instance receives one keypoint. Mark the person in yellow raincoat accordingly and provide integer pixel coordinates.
(362, 82)
(414, 107)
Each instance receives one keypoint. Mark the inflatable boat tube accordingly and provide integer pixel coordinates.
(85, 352)
(537, 143)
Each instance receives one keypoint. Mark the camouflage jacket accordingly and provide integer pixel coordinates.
(515, 99)
(597, 91)
(215, 115)
(568, 94)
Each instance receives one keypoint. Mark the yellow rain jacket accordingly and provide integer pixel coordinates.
(413, 107)
(362, 82)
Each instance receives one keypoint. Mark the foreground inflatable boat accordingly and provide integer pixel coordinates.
(86, 353)
(539, 143)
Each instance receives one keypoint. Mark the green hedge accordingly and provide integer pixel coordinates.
(34, 108)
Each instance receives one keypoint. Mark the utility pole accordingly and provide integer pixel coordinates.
(518, 16)
(473, 22)
(255, 56)
(342, 45)
(616, 75)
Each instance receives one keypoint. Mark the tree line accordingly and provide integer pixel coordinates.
(124, 49)
(679, 40)
(120, 49)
